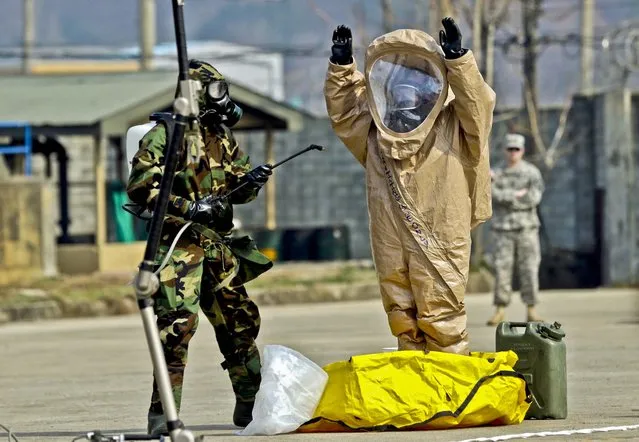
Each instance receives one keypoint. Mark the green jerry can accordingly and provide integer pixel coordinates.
(542, 361)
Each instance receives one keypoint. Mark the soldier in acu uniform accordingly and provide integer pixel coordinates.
(207, 269)
(516, 192)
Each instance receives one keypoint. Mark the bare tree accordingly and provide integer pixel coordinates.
(359, 12)
(546, 155)
(387, 16)
(492, 14)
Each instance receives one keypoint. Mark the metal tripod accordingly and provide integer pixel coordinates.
(185, 109)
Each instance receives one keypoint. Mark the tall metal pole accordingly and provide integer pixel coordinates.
(146, 282)
(489, 53)
(28, 35)
(478, 20)
(147, 33)
(587, 47)
(271, 201)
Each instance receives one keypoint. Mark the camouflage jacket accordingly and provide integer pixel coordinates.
(509, 211)
(210, 163)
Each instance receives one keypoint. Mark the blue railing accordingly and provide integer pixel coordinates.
(25, 149)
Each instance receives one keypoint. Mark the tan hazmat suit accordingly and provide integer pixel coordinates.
(428, 179)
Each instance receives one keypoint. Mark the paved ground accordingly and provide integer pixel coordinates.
(59, 379)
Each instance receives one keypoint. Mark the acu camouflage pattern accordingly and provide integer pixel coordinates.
(509, 212)
(515, 226)
(210, 163)
(520, 248)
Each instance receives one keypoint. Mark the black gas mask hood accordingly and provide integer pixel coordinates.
(218, 105)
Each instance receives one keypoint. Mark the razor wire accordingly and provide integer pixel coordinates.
(621, 45)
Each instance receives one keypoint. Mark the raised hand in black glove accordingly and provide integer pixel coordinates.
(342, 48)
(450, 39)
(206, 211)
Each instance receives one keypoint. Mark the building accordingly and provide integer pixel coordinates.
(82, 119)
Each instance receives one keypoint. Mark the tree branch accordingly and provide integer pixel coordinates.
(531, 109)
(321, 13)
(559, 133)
(498, 14)
(506, 116)
(467, 10)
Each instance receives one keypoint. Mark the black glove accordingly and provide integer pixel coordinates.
(206, 210)
(342, 48)
(450, 39)
(257, 177)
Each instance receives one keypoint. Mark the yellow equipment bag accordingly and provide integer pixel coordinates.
(418, 391)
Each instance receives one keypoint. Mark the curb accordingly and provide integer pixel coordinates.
(55, 307)
(316, 293)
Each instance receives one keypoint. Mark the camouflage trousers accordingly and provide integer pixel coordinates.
(520, 247)
(188, 283)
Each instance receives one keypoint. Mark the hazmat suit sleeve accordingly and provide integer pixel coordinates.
(345, 94)
(474, 102)
(473, 107)
(147, 169)
(532, 198)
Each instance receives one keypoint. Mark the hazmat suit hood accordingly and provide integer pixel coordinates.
(407, 89)
(216, 106)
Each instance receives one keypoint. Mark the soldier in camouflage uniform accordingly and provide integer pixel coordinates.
(204, 270)
(516, 192)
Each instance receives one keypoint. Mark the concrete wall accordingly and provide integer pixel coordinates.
(315, 189)
(27, 242)
(633, 163)
(569, 235)
(616, 153)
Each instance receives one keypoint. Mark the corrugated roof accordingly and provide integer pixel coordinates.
(70, 100)
(86, 99)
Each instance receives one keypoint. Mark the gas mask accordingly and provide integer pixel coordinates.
(408, 106)
(405, 90)
(216, 106)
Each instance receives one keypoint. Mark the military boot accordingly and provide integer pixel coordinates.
(532, 315)
(245, 378)
(498, 316)
(243, 413)
(156, 424)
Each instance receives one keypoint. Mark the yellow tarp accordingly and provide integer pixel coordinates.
(418, 390)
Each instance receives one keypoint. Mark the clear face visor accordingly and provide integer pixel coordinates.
(405, 89)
